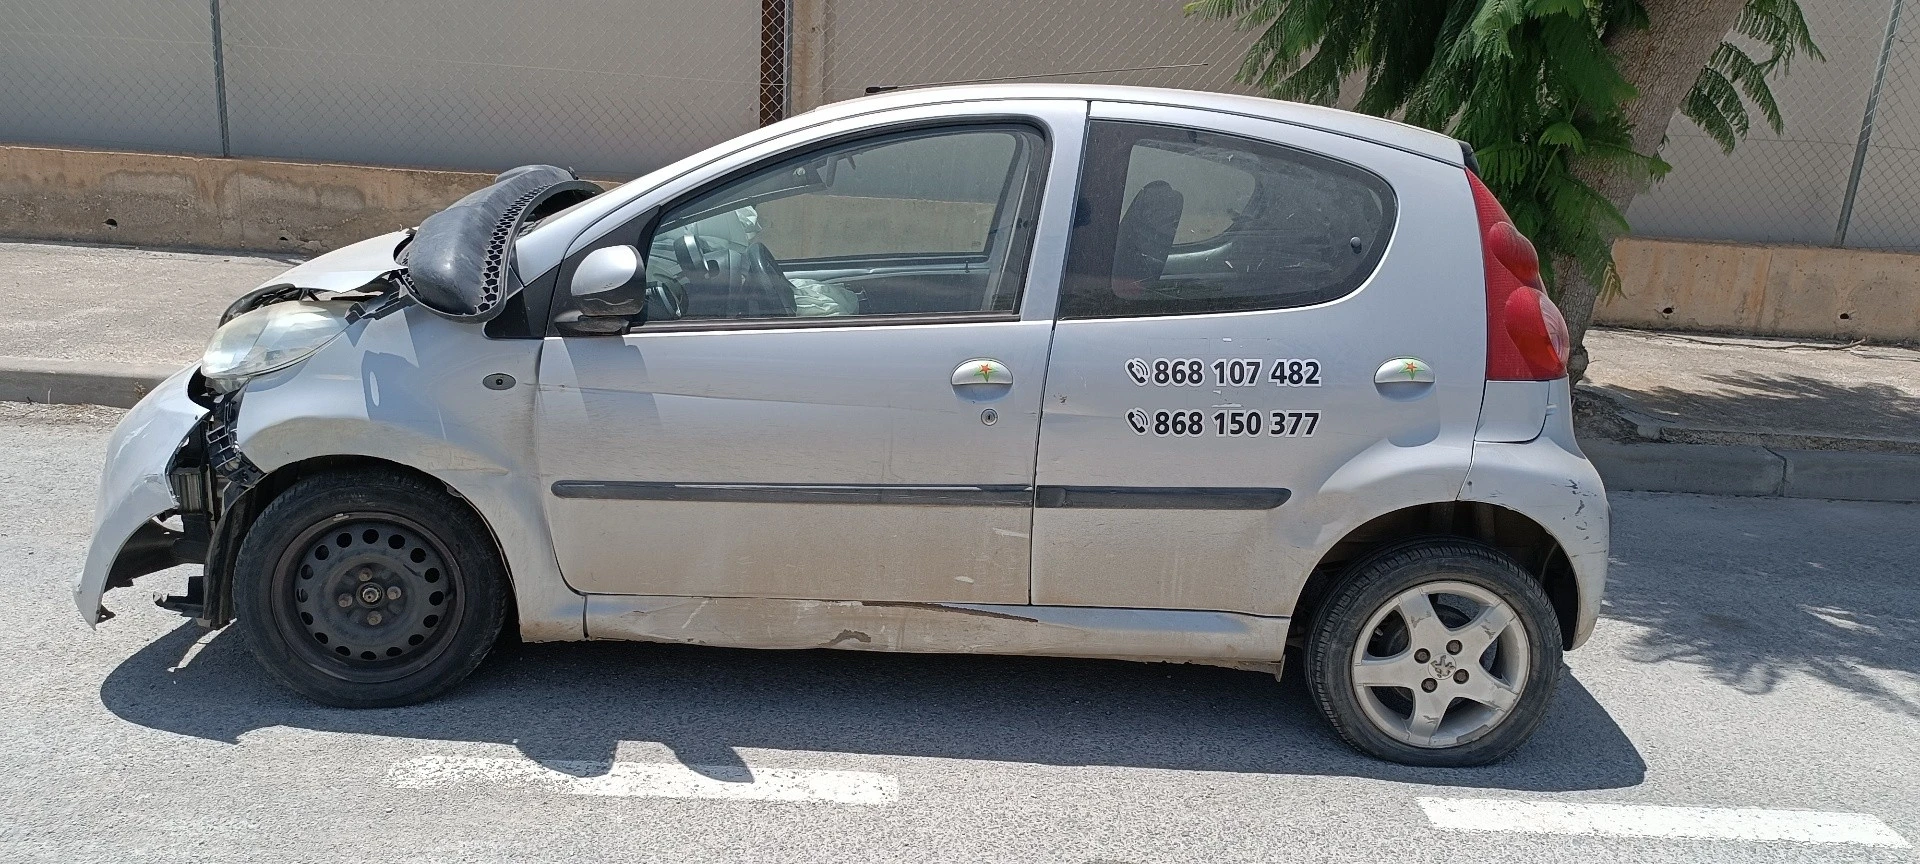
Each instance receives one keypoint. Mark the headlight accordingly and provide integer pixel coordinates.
(268, 339)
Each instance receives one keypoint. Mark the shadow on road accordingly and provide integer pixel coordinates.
(1835, 596)
(560, 703)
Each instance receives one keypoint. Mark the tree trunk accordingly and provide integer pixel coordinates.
(1661, 62)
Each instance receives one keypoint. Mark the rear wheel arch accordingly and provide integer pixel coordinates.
(1511, 532)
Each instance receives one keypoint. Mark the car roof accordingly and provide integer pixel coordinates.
(1413, 139)
(542, 249)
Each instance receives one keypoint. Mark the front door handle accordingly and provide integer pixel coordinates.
(982, 372)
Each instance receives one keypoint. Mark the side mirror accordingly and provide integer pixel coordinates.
(605, 269)
(600, 308)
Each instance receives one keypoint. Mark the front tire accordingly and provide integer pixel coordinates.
(368, 590)
(1439, 653)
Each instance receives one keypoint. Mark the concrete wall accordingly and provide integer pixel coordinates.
(815, 226)
(868, 43)
(134, 74)
(1806, 291)
(146, 199)
(599, 86)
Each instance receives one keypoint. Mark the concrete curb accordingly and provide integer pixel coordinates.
(1719, 469)
(78, 382)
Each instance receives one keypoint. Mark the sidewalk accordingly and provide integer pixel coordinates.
(102, 324)
(1659, 411)
(1694, 389)
(1721, 415)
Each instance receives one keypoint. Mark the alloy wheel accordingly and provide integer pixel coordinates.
(1440, 664)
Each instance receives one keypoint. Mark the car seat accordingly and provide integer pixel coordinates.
(1146, 237)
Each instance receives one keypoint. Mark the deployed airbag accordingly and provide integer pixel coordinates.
(460, 261)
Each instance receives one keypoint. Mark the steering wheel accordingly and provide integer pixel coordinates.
(730, 282)
(666, 299)
(768, 290)
(704, 281)
(690, 253)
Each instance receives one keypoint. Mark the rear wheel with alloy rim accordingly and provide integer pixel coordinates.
(1442, 653)
(368, 589)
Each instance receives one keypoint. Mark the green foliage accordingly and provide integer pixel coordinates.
(1715, 102)
(1529, 84)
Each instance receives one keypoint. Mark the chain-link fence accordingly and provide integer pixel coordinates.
(1846, 171)
(132, 74)
(608, 87)
(614, 88)
(890, 43)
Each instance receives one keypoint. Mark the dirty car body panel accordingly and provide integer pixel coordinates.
(993, 369)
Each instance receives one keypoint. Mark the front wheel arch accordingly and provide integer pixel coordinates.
(232, 529)
(420, 606)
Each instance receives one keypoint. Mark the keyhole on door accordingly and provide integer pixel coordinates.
(989, 416)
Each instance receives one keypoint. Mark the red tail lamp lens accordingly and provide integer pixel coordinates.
(1556, 330)
(1526, 335)
(1513, 249)
(1538, 332)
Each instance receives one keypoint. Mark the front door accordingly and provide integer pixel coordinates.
(837, 398)
(1234, 288)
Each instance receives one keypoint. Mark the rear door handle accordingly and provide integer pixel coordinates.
(982, 372)
(1403, 378)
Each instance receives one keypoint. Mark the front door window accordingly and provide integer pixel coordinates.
(918, 223)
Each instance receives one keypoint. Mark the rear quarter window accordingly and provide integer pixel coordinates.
(1178, 221)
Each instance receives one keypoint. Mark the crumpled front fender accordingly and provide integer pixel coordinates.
(133, 484)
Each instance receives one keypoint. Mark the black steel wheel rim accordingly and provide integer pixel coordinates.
(367, 597)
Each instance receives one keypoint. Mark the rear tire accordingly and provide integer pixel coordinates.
(1437, 653)
(368, 590)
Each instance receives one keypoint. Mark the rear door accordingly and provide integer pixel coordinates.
(848, 404)
(1255, 317)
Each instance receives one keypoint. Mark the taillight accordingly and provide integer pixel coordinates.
(1527, 338)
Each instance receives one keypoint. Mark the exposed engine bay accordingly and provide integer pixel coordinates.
(457, 264)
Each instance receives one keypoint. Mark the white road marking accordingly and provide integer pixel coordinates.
(643, 780)
(1638, 820)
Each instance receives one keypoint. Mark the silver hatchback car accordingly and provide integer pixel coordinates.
(1029, 369)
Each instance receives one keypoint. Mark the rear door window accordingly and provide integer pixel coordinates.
(1177, 221)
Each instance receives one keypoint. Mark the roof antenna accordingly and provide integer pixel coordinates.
(887, 88)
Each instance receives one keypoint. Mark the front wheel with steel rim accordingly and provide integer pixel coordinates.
(1438, 653)
(368, 589)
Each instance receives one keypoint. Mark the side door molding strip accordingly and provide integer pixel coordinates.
(1051, 497)
(1160, 498)
(796, 493)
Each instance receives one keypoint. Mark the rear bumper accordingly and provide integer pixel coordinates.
(1550, 481)
(134, 493)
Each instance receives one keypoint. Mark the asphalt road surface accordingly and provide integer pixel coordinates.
(1753, 694)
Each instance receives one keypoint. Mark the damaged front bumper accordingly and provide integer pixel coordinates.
(170, 457)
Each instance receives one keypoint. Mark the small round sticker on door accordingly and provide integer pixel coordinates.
(1138, 420)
